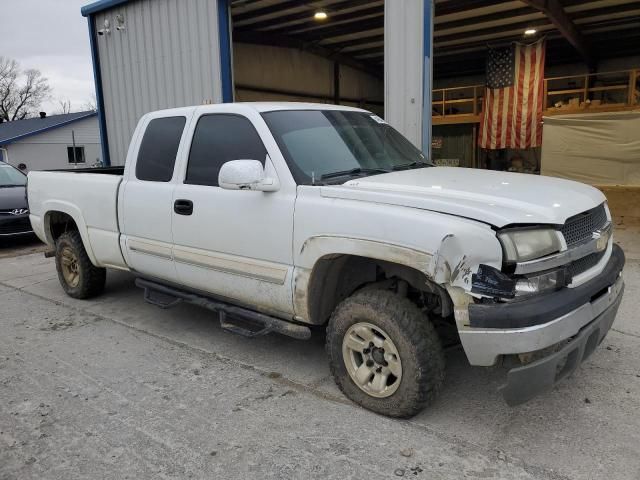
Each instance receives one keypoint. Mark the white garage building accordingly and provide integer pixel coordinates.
(51, 142)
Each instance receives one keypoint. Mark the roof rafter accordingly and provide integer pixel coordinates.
(306, 16)
(278, 7)
(556, 14)
(264, 38)
(338, 17)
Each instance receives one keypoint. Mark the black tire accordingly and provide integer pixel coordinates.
(415, 338)
(91, 279)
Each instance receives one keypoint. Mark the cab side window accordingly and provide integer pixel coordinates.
(158, 149)
(218, 139)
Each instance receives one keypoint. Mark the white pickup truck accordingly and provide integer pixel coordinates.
(282, 217)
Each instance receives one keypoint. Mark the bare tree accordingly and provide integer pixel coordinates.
(91, 103)
(21, 91)
(64, 106)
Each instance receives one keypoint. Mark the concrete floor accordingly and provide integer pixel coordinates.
(116, 388)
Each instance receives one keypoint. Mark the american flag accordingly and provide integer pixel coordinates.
(512, 107)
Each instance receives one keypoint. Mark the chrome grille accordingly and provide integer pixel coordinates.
(585, 263)
(580, 228)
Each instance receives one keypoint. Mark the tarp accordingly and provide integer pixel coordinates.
(598, 148)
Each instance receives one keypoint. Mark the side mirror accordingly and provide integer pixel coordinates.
(245, 175)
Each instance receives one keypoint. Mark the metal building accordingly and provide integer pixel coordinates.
(154, 54)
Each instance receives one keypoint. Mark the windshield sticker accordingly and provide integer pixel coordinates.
(377, 119)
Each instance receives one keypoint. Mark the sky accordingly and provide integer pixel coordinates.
(51, 36)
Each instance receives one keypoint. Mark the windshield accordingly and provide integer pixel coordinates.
(332, 145)
(10, 177)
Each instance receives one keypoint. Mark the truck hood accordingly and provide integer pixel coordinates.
(496, 198)
(12, 197)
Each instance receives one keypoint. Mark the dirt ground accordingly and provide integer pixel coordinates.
(23, 245)
(117, 388)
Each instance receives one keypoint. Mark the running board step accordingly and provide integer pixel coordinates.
(159, 299)
(233, 319)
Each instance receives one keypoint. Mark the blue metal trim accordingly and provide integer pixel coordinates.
(9, 141)
(225, 51)
(100, 5)
(97, 78)
(427, 76)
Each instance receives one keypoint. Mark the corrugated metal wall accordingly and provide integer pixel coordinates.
(166, 55)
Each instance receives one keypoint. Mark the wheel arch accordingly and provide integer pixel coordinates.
(62, 216)
(332, 268)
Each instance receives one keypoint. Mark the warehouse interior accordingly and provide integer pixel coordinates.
(333, 51)
(290, 51)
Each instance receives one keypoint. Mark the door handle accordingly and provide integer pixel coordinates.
(183, 207)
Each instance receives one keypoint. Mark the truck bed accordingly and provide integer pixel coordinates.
(101, 170)
(90, 198)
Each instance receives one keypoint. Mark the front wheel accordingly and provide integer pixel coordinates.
(78, 276)
(384, 353)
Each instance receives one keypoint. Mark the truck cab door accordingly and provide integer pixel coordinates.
(233, 244)
(147, 212)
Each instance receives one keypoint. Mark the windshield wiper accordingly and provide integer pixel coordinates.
(353, 171)
(407, 166)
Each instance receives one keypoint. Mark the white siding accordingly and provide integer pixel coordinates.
(48, 150)
(403, 65)
(166, 56)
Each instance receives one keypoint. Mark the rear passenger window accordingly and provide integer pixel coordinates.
(218, 139)
(159, 148)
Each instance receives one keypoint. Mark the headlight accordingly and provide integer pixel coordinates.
(523, 245)
(492, 282)
(540, 283)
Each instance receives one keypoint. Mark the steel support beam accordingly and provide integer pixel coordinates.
(556, 14)
(408, 54)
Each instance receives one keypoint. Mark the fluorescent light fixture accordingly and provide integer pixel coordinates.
(530, 31)
(320, 15)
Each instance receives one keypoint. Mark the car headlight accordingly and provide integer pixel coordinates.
(540, 283)
(524, 245)
(492, 282)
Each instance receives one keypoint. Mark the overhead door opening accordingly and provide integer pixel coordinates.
(294, 51)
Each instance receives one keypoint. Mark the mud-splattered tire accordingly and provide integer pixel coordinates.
(78, 276)
(396, 328)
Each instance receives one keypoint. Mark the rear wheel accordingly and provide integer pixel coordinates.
(78, 276)
(384, 353)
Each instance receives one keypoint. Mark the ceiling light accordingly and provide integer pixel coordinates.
(530, 31)
(320, 15)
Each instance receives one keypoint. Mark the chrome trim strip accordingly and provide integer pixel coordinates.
(231, 264)
(16, 233)
(567, 256)
(153, 254)
(149, 249)
(231, 271)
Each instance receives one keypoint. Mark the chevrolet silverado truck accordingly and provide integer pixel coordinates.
(288, 218)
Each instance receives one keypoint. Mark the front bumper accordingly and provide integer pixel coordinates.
(11, 225)
(579, 316)
(524, 383)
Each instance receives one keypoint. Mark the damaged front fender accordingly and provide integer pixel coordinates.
(460, 256)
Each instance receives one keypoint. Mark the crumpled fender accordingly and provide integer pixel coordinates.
(459, 257)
